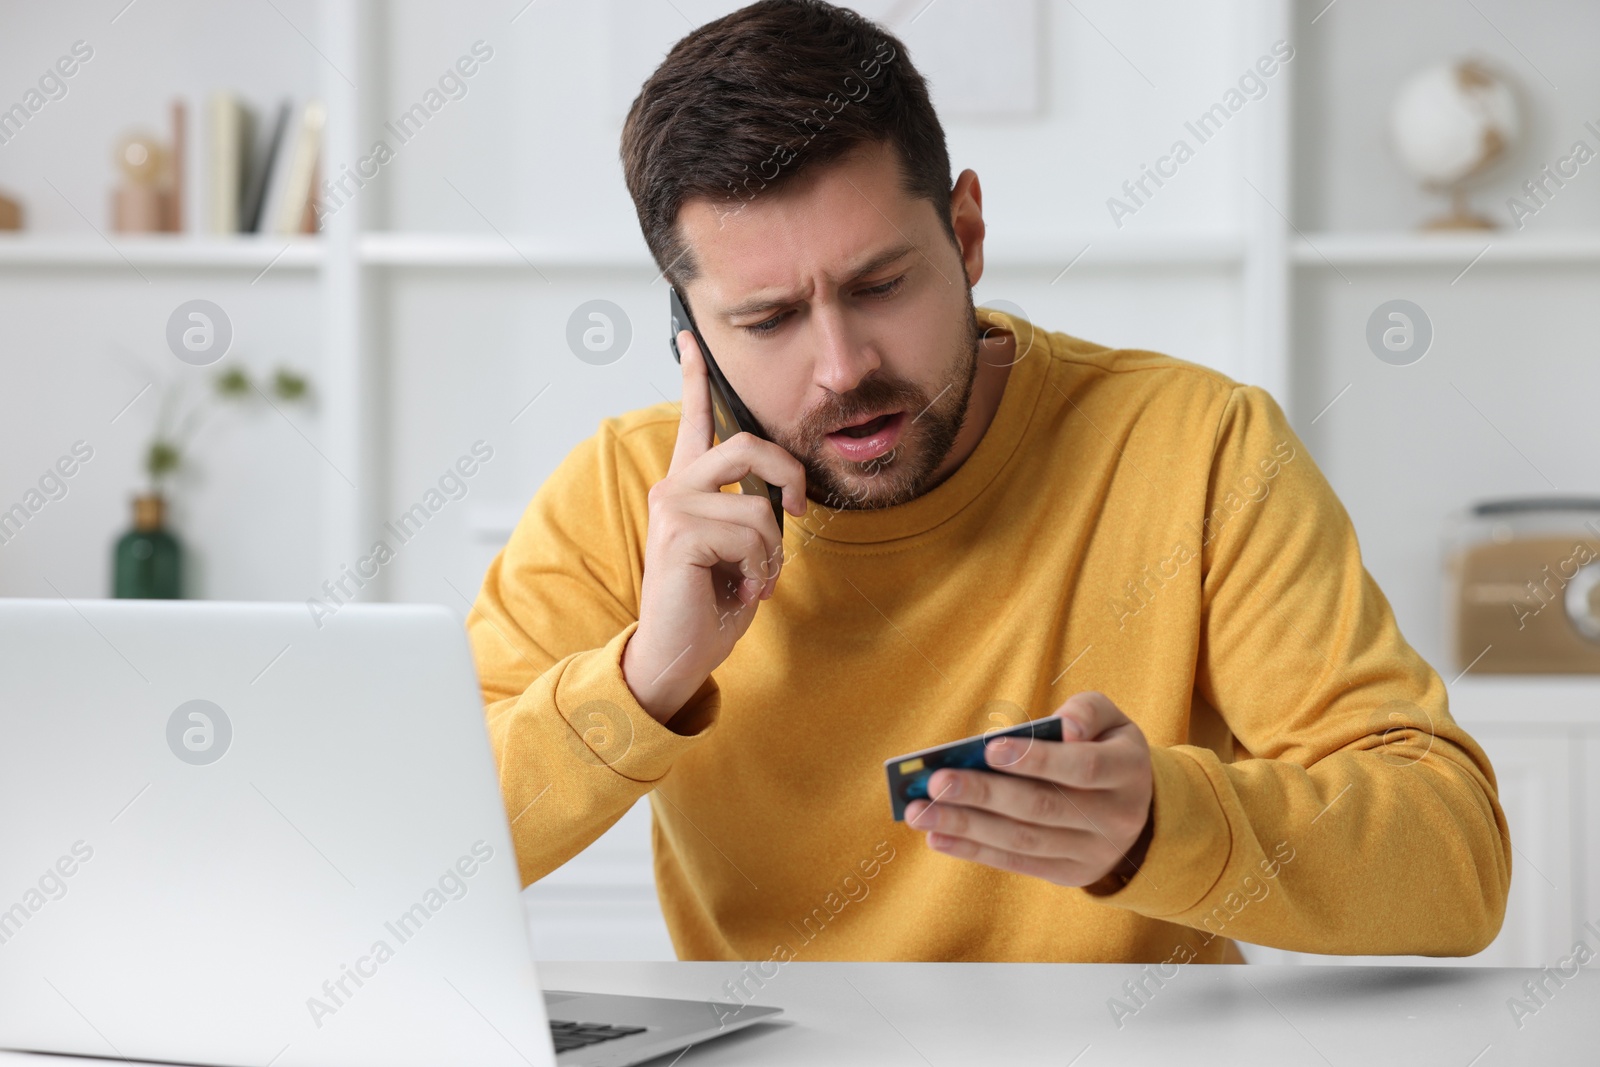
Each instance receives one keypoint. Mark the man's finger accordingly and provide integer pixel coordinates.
(745, 453)
(1085, 716)
(1105, 763)
(1006, 834)
(695, 427)
(1039, 802)
(740, 510)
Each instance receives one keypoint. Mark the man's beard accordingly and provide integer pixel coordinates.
(905, 472)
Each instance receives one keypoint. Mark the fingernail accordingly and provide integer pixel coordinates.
(1073, 727)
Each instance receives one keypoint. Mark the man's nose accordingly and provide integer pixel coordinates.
(844, 355)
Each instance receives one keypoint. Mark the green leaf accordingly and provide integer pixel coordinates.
(233, 382)
(289, 385)
(163, 458)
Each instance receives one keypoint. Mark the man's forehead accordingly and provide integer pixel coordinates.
(768, 249)
(734, 300)
(832, 223)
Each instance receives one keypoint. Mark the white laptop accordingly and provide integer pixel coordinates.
(230, 836)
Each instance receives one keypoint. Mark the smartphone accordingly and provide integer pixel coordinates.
(728, 412)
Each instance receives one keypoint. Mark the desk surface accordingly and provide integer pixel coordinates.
(918, 1014)
(840, 1014)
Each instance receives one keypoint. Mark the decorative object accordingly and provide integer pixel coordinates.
(1524, 576)
(143, 202)
(177, 197)
(966, 82)
(1449, 124)
(150, 198)
(147, 563)
(148, 559)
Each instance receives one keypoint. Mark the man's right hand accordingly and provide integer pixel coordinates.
(709, 556)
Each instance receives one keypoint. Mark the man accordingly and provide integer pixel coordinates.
(1041, 524)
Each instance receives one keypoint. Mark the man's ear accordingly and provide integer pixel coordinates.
(966, 218)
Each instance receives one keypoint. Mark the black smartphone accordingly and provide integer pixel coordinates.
(727, 410)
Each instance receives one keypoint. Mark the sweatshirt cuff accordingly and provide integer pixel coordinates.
(1189, 844)
(611, 728)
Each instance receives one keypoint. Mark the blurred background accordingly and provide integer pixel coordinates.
(270, 268)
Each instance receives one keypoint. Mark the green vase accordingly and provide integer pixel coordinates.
(148, 559)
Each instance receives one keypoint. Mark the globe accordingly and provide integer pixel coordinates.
(1450, 123)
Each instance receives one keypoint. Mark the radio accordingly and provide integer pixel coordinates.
(1524, 582)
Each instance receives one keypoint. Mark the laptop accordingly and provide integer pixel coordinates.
(238, 835)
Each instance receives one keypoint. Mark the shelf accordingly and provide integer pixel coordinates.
(448, 250)
(1527, 700)
(1504, 247)
(444, 250)
(461, 250)
(1087, 252)
(163, 251)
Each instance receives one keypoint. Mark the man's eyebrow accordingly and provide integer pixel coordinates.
(877, 262)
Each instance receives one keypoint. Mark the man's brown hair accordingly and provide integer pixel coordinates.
(746, 103)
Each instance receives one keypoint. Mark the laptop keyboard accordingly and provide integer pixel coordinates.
(571, 1035)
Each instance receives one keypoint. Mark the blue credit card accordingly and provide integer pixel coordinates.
(908, 775)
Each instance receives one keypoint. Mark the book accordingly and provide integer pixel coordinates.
(261, 165)
(299, 171)
(227, 161)
(310, 218)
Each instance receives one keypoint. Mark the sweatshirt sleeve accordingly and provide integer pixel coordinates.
(573, 747)
(1357, 817)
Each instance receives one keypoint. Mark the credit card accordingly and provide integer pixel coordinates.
(908, 774)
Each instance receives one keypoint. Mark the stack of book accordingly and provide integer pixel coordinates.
(258, 178)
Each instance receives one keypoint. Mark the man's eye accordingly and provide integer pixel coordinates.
(877, 292)
(767, 326)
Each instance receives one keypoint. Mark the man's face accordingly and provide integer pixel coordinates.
(829, 302)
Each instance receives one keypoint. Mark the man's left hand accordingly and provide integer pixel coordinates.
(1073, 812)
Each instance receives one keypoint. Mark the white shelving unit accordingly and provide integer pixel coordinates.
(244, 253)
(1292, 292)
(442, 251)
(1403, 250)
(454, 250)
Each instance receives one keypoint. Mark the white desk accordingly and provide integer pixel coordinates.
(838, 1014)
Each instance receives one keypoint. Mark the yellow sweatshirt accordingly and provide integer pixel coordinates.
(1130, 523)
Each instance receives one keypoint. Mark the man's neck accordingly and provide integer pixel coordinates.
(996, 352)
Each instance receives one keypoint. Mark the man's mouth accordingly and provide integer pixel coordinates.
(864, 429)
(870, 439)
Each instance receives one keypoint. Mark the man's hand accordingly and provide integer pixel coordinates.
(1078, 814)
(708, 555)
